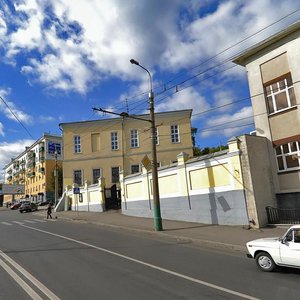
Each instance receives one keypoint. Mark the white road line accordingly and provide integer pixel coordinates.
(213, 286)
(39, 220)
(20, 281)
(29, 221)
(6, 223)
(31, 278)
(17, 222)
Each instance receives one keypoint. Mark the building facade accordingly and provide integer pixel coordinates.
(274, 75)
(104, 148)
(34, 168)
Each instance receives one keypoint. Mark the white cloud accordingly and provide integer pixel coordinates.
(46, 119)
(185, 99)
(1, 129)
(11, 111)
(73, 47)
(230, 124)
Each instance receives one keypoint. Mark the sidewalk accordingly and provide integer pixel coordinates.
(217, 236)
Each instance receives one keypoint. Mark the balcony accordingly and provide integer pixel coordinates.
(31, 174)
(42, 158)
(31, 165)
(22, 163)
(31, 155)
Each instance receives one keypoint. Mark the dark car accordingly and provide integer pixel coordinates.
(28, 207)
(15, 205)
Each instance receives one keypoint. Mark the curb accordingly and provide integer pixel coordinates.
(177, 238)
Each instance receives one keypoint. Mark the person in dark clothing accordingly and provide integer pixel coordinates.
(49, 211)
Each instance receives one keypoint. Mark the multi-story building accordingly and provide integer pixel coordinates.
(102, 148)
(35, 167)
(274, 76)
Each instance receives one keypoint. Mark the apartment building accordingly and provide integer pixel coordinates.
(35, 167)
(104, 148)
(274, 75)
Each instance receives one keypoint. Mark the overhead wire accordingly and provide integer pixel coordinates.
(16, 117)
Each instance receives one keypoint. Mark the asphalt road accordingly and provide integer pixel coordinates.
(59, 259)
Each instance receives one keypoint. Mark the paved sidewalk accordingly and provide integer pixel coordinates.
(231, 237)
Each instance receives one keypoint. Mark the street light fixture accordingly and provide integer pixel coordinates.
(156, 203)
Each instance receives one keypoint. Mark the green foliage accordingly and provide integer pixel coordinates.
(208, 150)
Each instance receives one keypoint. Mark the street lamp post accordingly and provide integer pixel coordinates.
(156, 203)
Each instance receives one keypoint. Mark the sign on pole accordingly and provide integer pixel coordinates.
(76, 190)
(146, 162)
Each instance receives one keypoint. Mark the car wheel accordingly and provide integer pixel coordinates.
(265, 262)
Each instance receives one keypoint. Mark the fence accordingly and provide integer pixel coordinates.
(283, 216)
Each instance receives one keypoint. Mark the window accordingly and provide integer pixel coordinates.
(78, 177)
(135, 169)
(288, 156)
(96, 175)
(95, 138)
(115, 172)
(77, 144)
(114, 140)
(280, 94)
(156, 136)
(134, 140)
(174, 134)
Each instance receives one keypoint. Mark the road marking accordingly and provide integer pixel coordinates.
(39, 220)
(6, 223)
(213, 286)
(28, 221)
(17, 222)
(20, 281)
(27, 275)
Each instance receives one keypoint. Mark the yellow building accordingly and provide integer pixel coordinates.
(35, 167)
(103, 148)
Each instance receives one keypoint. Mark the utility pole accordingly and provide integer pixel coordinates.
(156, 205)
(156, 201)
(55, 179)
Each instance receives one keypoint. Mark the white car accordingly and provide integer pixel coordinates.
(272, 252)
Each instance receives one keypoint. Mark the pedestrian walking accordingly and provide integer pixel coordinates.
(49, 211)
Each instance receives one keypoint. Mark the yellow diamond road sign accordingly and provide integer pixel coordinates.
(146, 162)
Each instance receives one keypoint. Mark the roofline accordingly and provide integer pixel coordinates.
(245, 55)
(120, 118)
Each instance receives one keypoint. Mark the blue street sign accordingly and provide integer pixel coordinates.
(76, 190)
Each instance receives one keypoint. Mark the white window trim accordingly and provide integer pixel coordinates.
(115, 141)
(284, 155)
(178, 135)
(76, 144)
(92, 174)
(82, 176)
(135, 165)
(111, 173)
(279, 91)
(135, 139)
(157, 136)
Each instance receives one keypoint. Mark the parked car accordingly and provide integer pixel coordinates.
(15, 205)
(28, 207)
(280, 251)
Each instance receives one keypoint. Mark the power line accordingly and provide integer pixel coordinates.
(16, 117)
(211, 58)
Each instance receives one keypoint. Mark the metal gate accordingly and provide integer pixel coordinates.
(283, 216)
(112, 198)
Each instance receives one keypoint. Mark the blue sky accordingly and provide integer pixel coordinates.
(61, 58)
